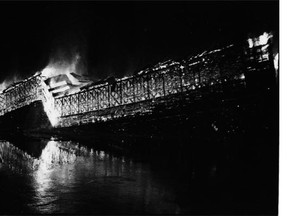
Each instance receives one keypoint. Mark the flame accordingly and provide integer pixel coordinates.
(53, 116)
(9, 81)
(242, 76)
(49, 106)
(250, 42)
(276, 61)
(61, 67)
(55, 69)
(261, 40)
(3, 86)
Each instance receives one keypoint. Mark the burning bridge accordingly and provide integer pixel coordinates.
(67, 103)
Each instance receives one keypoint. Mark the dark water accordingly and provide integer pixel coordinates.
(221, 163)
(225, 168)
(65, 177)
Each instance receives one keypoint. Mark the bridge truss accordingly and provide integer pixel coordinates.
(216, 67)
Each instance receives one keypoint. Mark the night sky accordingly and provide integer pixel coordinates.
(118, 39)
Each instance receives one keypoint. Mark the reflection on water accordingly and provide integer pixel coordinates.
(70, 178)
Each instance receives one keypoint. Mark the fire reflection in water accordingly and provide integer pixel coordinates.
(70, 178)
(56, 169)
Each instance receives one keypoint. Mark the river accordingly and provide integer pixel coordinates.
(66, 177)
(52, 176)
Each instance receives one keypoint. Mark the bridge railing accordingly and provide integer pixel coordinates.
(209, 68)
(19, 95)
(2, 104)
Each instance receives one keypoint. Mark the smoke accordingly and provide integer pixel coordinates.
(9, 81)
(68, 47)
(60, 63)
(65, 63)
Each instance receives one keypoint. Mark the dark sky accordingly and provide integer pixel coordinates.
(117, 38)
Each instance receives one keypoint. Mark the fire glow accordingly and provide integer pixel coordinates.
(8, 82)
(48, 104)
(61, 67)
(276, 61)
(56, 69)
(259, 41)
(56, 83)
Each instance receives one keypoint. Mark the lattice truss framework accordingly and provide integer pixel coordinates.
(206, 69)
(20, 95)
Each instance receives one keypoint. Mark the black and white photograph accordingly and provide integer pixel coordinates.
(139, 108)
